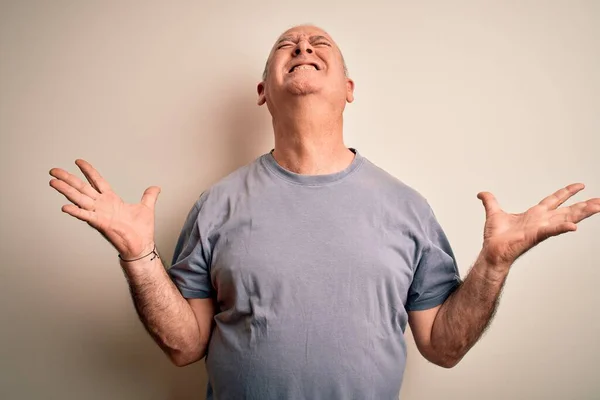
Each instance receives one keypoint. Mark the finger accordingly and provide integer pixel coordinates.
(489, 203)
(578, 211)
(79, 213)
(75, 182)
(560, 196)
(72, 194)
(150, 196)
(93, 176)
(557, 229)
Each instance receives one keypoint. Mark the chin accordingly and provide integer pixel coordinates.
(302, 87)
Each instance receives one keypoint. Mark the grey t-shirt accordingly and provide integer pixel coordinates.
(313, 276)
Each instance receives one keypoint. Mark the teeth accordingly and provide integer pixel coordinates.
(304, 67)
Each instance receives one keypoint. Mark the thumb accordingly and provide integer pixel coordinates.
(490, 203)
(150, 195)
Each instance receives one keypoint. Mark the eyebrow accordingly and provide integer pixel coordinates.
(312, 39)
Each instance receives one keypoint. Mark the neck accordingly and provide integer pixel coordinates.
(309, 140)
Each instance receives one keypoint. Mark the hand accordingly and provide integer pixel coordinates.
(128, 227)
(507, 236)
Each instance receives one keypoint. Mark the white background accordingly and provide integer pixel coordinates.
(453, 98)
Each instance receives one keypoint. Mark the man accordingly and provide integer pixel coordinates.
(297, 274)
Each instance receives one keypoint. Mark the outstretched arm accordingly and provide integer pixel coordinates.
(180, 327)
(445, 333)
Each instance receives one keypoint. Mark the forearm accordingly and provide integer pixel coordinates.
(167, 316)
(466, 314)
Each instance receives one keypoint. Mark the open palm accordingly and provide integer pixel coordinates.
(128, 227)
(508, 236)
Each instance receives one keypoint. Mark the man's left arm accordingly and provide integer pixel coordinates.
(445, 333)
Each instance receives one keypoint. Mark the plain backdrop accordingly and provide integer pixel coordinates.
(452, 98)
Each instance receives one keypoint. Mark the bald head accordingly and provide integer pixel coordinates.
(305, 63)
(288, 34)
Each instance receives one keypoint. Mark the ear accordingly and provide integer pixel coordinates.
(261, 93)
(349, 90)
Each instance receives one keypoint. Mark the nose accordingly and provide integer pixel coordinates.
(303, 46)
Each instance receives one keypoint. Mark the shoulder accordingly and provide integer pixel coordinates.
(402, 204)
(392, 190)
(236, 184)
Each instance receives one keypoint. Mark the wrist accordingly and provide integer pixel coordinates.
(491, 268)
(142, 267)
(148, 254)
(495, 256)
(131, 253)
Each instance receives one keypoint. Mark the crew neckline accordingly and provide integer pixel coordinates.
(311, 180)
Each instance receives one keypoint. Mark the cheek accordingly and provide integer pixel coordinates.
(333, 60)
(276, 63)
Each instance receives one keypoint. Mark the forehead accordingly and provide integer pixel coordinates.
(304, 31)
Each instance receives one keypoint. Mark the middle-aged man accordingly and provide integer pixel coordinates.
(297, 274)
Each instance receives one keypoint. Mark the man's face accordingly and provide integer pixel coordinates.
(305, 60)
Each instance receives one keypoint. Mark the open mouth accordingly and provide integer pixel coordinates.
(310, 67)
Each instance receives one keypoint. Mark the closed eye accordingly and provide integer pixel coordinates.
(286, 45)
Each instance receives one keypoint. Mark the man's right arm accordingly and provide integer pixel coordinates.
(181, 327)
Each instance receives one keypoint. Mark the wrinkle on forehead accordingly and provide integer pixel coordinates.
(300, 31)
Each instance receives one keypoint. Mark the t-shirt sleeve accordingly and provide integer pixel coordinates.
(190, 270)
(436, 275)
